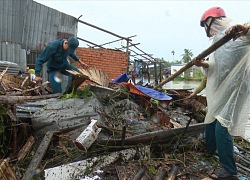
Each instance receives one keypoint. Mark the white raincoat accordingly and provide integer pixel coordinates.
(228, 85)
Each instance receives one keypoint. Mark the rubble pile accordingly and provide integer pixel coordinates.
(16, 85)
(114, 131)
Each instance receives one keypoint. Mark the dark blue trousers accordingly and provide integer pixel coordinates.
(218, 137)
(54, 83)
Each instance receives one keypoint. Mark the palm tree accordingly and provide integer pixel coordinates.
(187, 56)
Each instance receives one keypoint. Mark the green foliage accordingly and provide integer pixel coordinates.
(68, 96)
(163, 62)
(199, 75)
(176, 62)
(154, 101)
(187, 56)
(152, 170)
(88, 171)
(79, 93)
(178, 79)
(147, 111)
(83, 93)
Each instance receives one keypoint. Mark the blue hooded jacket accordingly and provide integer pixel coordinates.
(55, 57)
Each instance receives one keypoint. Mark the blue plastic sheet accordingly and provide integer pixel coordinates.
(148, 91)
(153, 93)
(121, 78)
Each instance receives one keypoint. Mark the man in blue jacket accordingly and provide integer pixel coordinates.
(56, 55)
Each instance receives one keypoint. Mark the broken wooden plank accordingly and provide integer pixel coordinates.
(77, 80)
(38, 156)
(24, 81)
(95, 75)
(64, 148)
(41, 87)
(76, 170)
(22, 153)
(6, 171)
(2, 74)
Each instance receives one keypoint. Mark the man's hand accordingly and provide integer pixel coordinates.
(38, 79)
(84, 65)
(241, 30)
(200, 63)
(193, 94)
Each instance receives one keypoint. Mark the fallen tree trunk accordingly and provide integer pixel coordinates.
(18, 99)
(155, 136)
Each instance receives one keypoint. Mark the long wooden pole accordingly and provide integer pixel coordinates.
(202, 55)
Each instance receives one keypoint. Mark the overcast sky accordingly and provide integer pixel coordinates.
(160, 26)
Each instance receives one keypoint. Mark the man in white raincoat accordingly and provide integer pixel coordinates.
(227, 89)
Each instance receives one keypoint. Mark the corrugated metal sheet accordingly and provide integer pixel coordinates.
(13, 52)
(28, 25)
(42, 24)
(13, 68)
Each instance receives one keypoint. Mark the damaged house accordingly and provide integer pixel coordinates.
(108, 128)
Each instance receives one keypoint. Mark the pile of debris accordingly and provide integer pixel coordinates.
(113, 131)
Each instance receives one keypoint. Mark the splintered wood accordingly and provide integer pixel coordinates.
(17, 85)
(94, 75)
(6, 171)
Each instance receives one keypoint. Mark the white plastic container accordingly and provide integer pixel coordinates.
(88, 136)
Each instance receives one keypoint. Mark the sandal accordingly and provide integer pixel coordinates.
(222, 174)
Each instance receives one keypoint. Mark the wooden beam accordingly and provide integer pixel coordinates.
(38, 156)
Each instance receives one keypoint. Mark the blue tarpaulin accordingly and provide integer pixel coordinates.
(147, 91)
(121, 78)
(153, 93)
